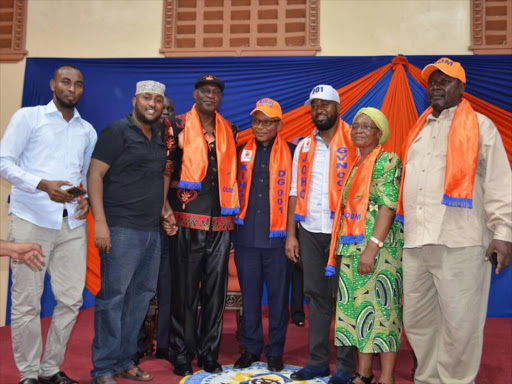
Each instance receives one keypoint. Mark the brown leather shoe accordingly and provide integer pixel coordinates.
(106, 379)
(138, 375)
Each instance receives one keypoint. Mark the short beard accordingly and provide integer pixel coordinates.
(327, 124)
(142, 118)
(65, 104)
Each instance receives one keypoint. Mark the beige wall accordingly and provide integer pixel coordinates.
(132, 28)
(11, 81)
(390, 27)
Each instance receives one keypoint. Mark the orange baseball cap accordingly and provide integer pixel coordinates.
(448, 67)
(269, 107)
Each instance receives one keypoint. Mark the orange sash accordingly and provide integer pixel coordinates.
(195, 160)
(341, 154)
(461, 158)
(353, 230)
(279, 182)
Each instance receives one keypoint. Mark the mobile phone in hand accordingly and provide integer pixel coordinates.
(76, 191)
(299, 263)
(494, 260)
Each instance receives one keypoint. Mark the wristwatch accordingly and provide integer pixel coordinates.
(377, 241)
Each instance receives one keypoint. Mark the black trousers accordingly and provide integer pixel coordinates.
(314, 251)
(199, 270)
(297, 294)
(163, 292)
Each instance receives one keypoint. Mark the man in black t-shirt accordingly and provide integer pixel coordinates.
(163, 291)
(126, 193)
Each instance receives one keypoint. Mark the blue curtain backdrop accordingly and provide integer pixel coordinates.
(110, 85)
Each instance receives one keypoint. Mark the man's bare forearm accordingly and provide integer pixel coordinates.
(291, 229)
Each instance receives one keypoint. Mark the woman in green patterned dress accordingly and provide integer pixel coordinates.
(368, 310)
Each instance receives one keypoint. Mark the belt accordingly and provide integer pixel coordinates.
(65, 213)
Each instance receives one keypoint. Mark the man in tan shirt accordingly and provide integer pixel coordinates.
(447, 248)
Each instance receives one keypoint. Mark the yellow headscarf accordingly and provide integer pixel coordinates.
(378, 118)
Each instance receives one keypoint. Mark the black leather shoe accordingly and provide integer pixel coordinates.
(211, 366)
(275, 364)
(245, 360)
(59, 378)
(298, 323)
(162, 354)
(184, 369)
(28, 381)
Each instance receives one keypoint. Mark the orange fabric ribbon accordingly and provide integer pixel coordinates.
(461, 158)
(341, 154)
(279, 183)
(352, 215)
(195, 160)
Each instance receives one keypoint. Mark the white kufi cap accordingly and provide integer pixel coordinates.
(150, 86)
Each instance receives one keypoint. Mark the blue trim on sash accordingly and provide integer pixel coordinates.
(229, 211)
(239, 221)
(274, 234)
(356, 239)
(399, 218)
(332, 214)
(298, 217)
(457, 202)
(330, 271)
(189, 185)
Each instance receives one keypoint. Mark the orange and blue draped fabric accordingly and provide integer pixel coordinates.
(390, 83)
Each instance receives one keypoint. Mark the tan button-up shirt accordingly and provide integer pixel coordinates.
(427, 221)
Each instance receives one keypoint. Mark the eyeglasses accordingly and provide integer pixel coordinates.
(266, 122)
(366, 128)
(208, 91)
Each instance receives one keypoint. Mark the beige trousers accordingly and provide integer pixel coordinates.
(446, 292)
(65, 252)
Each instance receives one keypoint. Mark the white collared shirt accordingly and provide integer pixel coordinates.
(39, 144)
(318, 214)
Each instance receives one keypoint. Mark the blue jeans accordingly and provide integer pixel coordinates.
(128, 283)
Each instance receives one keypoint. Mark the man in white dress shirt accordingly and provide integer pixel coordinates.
(320, 163)
(45, 150)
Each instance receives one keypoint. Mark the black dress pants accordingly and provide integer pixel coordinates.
(163, 293)
(314, 251)
(199, 270)
(297, 294)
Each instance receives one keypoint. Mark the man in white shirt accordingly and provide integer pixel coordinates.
(320, 163)
(45, 150)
